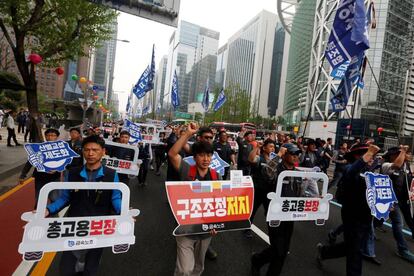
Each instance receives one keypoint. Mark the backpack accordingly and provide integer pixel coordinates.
(192, 174)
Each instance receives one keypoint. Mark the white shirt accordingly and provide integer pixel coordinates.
(10, 122)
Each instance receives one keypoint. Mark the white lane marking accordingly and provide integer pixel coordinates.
(260, 233)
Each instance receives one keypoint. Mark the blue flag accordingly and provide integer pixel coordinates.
(146, 110)
(50, 156)
(348, 37)
(379, 194)
(150, 84)
(206, 97)
(175, 98)
(134, 130)
(221, 99)
(141, 88)
(340, 99)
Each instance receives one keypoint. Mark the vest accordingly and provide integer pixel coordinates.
(85, 203)
(192, 173)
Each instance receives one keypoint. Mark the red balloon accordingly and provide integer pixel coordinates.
(348, 127)
(380, 129)
(35, 58)
(59, 71)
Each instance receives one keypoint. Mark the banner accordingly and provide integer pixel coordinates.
(201, 206)
(141, 87)
(283, 208)
(55, 234)
(349, 36)
(175, 98)
(122, 158)
(380, 194)
(339, 72)
(221, 99)
(50, 156)
(206, 97)
(339, 100)
(150, 84)
(134, 130)
(216, 163)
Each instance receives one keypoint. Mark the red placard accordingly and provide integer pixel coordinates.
(200, 206)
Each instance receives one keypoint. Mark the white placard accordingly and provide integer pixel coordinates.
(54, 234)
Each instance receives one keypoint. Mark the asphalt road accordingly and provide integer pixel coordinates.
(154, 251)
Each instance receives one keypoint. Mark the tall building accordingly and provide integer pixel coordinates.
(103, 64)
(390, 55)
(222, 55)
(160, 83)
(253, 53)
(299, 62)
(193, 55)
(407, 128)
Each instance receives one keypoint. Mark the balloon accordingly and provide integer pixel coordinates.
(35, 58)
(95, 97)
(82, 80)
(74, 77)
(59, 71)
(380, 130)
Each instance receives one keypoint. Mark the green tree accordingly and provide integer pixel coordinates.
(57, 30)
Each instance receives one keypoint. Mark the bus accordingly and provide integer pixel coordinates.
(233, 127)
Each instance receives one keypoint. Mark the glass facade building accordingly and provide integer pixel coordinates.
(251, 66)
(193, 54)
(390, 57)
(299, 62)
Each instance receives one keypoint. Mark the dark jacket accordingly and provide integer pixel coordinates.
(354, 206)
(244, 150)
(41, 178)
(84, 203)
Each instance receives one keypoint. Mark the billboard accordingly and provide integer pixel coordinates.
(162, 11)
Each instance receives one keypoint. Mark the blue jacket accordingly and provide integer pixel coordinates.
(65, 198)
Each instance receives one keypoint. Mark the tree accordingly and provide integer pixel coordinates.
(57, 30)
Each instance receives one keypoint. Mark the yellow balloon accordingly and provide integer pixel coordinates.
(82, 80)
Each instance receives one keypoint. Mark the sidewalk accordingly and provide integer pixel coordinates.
(12, 160)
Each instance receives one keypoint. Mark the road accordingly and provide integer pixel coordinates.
(154, 251)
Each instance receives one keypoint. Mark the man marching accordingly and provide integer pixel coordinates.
(86, 203)
(191, 249)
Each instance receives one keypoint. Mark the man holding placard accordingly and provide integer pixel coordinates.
(42, 177)
(86, 203)
(280, 236)
(191, 249)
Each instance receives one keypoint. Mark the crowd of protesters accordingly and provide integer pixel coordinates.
(263, 159)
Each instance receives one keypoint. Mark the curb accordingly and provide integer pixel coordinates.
(13, 169)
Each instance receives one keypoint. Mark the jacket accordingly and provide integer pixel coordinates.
(88, 202)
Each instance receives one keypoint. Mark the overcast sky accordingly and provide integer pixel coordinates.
(224, 16)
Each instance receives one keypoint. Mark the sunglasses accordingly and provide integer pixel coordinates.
(208, 137)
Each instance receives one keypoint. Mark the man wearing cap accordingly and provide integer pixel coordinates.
(243, 140)
(356, 214)
(279, 237)
(397, 167)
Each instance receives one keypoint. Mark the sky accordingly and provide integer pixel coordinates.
(224, 16)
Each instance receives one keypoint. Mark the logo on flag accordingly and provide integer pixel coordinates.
(221, 99)
(175, 99)
(50, 156)
(380, 194)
